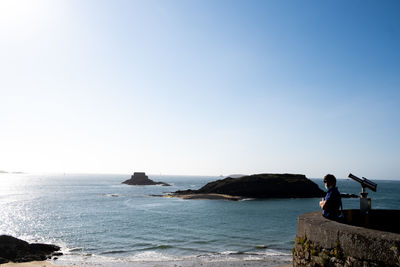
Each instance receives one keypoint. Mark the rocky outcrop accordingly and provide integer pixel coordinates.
(140, 178)
(17, 250)
(261, 186)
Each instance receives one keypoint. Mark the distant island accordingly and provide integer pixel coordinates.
(266, 185)
(1, 171)
(140, 178)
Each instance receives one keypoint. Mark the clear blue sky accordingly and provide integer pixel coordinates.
(200, 87)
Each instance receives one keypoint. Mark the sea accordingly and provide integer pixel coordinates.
(99, 221)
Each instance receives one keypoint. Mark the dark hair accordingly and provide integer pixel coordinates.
(330, 179)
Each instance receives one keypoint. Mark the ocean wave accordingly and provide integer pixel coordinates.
(203, 242)
(266, 253)
(158, 247)
(112, 195)
(247, 199)
(75, 249)
(115, 252)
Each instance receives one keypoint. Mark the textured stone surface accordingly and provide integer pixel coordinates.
(17, 250)
(322, 242)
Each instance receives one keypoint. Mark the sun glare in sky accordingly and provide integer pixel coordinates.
(14, 13)
(200, 87)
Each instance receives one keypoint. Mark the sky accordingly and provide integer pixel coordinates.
(200, 87)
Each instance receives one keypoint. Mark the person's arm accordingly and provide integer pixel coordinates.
(325, 201)
(322, 203)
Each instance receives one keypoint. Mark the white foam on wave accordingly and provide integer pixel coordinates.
(271, 252)
(87, 259)
(152, 256)
(267, 252)
(229, 252)
(75, 249)
(247, 199)
(229, 255)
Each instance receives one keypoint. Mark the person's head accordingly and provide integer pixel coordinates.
(329, 180)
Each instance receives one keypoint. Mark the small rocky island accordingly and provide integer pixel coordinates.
(17, 250)
(255, 186)
(140, 178)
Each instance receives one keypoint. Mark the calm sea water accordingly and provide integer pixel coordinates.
(96, 219)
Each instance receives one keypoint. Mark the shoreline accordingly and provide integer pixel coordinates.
(212, 196)
(180, 263)
(35, 264)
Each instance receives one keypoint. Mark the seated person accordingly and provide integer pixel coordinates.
(332, 202)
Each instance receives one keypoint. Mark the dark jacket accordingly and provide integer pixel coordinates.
(333, 204)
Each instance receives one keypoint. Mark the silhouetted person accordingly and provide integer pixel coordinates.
(332, 202)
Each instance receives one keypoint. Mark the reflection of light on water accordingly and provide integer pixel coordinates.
(17, 214)
(7, 181)
(16, 217)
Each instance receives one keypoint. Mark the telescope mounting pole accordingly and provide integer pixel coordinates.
(365, 202)
(364, 192)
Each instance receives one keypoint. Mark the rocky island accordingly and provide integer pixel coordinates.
(255, 186)
(140, 178)
(17, 250)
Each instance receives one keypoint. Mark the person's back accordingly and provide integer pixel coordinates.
(332, 202)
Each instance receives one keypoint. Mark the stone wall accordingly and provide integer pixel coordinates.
(323, 242)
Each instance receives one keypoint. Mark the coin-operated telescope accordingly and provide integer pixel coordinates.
(365, 202)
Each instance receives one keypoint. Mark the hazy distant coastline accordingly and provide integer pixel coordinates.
(2, 171)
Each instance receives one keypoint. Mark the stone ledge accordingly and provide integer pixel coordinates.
(359, 243)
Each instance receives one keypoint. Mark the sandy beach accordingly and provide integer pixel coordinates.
(30, 264)
(205, 196)
(158, 264)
